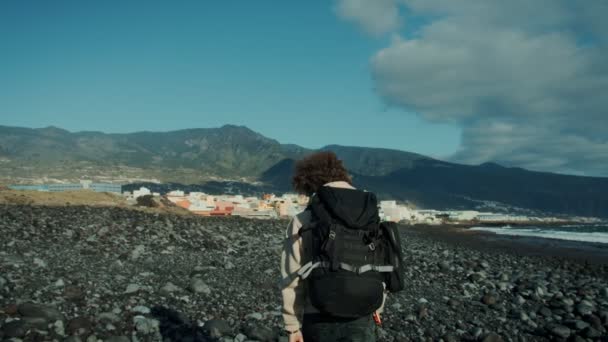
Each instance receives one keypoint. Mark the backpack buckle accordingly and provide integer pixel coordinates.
(332, 234)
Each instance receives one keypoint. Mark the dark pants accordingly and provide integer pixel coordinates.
(323, 328)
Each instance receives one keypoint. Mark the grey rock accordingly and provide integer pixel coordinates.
(103, 231)
(217, 328)
(444, 266)
(40, 263)
(503, 286)
(476, 332)
(450, 338)
(577, 324)
(169, 288)
(141, 309)
(524, 316)
(568, 302)
(59, 328)
(545, 311)
(584, 308)
(137, 252)
(560, 331)
(539, 291)
(197, 285)
(410, 318)
(255, 315)
(146, 326)
(260, 333)
(132, 288)
(492, 337)
(40, 323)
(108, 317)
(47, 312)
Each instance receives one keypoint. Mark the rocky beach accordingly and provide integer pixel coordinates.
(80, 273)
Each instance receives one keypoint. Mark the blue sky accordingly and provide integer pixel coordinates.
(518, 82)
(292, 71)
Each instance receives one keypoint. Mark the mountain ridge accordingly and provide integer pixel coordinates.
(200, 155)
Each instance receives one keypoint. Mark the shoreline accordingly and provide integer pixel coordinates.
(565, 250)
(469, 224)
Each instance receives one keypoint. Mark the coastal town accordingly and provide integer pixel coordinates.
(271, 206)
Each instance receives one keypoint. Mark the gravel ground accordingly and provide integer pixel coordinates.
(82, 273)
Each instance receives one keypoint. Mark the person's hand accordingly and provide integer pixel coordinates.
(296, 337)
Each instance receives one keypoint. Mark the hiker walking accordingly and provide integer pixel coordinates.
(338, 260)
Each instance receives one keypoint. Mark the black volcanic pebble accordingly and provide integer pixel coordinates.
(217, 328)
(14, 329)
(92, 255)
(492, 337)
(46, 312)
(79, 326)
(260, 333)
(117, 339)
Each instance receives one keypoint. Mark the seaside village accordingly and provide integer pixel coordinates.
(289, 205)
(284, 206)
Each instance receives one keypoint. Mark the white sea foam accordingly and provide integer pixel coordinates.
(600, 237)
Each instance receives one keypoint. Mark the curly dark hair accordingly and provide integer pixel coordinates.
(317, 169)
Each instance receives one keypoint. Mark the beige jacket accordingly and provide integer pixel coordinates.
(295, 299)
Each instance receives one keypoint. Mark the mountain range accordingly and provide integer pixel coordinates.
(236, 153)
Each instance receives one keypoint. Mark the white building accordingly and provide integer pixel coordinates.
(176, 193)
(493, 217)
(200, 205)
(465, 215)
(141, 192)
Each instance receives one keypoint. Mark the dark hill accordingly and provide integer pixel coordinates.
(236, 152)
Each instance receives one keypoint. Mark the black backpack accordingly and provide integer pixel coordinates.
(349, 264)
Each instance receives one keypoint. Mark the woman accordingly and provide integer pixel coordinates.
(303, 322)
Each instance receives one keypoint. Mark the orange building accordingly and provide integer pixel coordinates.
(183, 203)
(222, 208)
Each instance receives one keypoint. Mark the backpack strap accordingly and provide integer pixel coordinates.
(305, 270)
(303, 230)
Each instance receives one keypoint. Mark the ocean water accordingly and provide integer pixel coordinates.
(588, 233)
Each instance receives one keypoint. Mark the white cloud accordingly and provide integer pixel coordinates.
(525, 79)
(373, 16)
